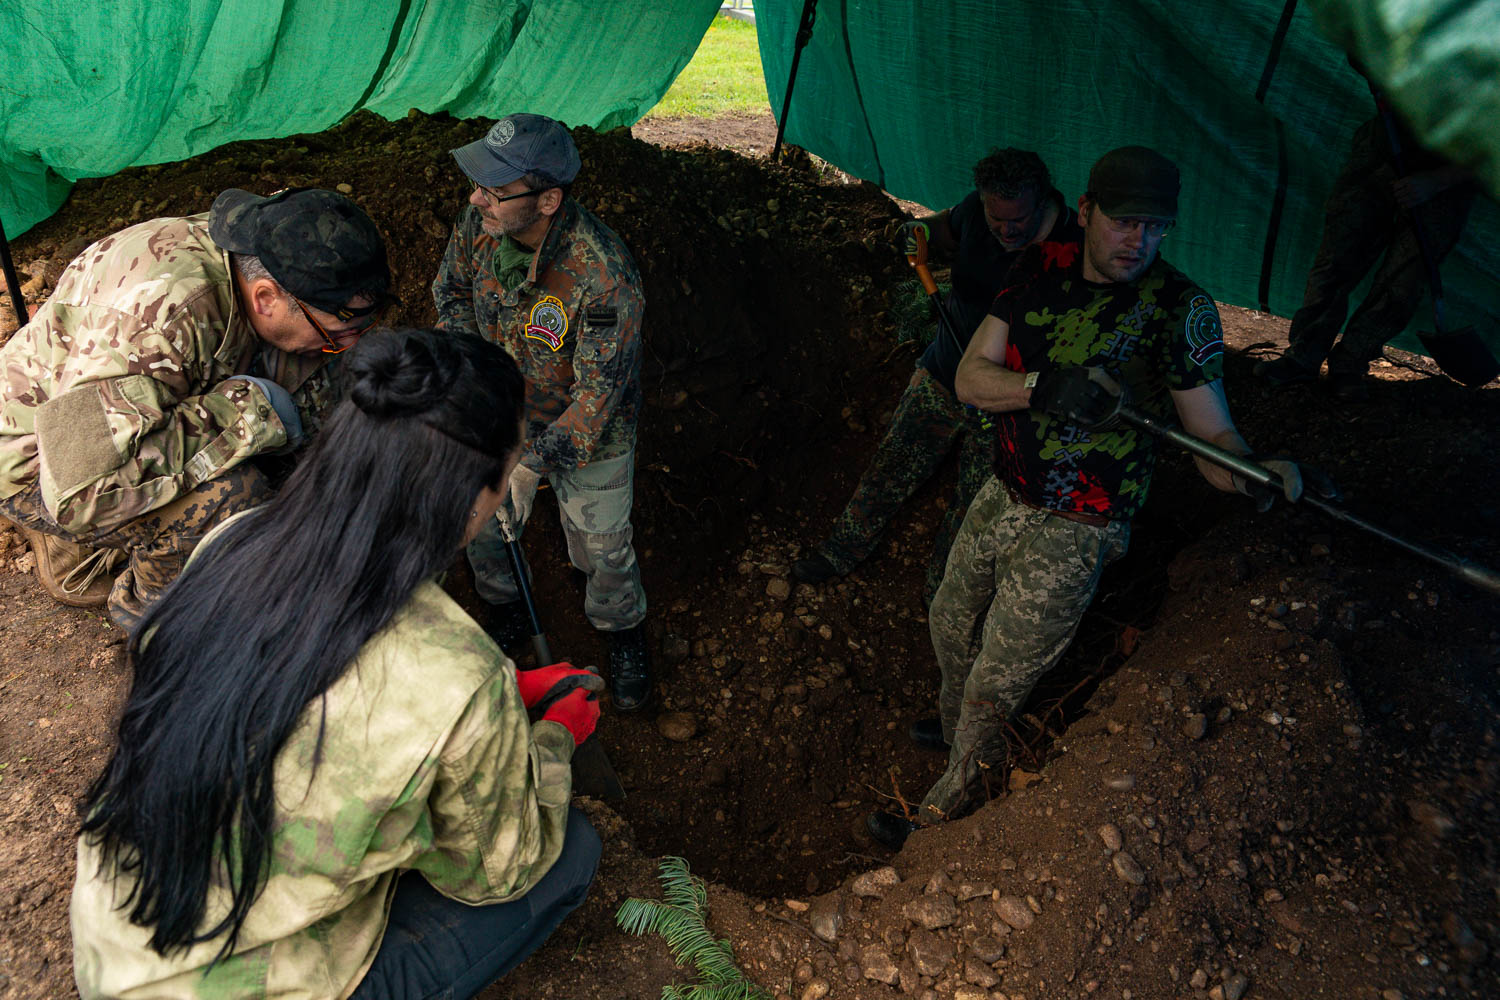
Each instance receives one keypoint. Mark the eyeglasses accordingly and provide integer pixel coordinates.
(495, 199)
(1151, 227)
(352, 333)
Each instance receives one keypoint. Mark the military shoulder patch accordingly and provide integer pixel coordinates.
(548, 322)
(1205, 336)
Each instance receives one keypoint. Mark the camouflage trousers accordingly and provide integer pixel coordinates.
(1018, 582)
(928, 422)
(1361, 221)
(594, 507)
(158, 542)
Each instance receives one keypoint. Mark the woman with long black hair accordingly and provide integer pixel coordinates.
(312, 716)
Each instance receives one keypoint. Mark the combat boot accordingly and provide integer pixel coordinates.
(1283, 371)
(928, 734)
(814, 569)
(74, 574)
(629, 669)
(888, 829)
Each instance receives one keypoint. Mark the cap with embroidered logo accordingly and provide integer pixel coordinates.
(518, 145)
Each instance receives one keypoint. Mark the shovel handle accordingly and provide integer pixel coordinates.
(1480, 576)
(518, 570)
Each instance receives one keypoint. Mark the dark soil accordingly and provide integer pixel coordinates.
(1267, 761)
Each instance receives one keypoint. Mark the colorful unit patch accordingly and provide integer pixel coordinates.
(548, 322)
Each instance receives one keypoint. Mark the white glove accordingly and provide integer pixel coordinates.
(523, 484)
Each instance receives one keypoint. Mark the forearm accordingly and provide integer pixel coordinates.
(982, 383)
(1219, 477)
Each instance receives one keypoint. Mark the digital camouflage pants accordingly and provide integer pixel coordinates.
(1018, 582)
(928, 422)
(1361, 221)
(594, 507)
(157, 544)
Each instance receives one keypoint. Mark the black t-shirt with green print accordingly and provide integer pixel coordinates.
(1156, 333)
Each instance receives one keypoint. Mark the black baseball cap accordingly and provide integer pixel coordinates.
(518, 145)
(317, 244)
(1135, 181)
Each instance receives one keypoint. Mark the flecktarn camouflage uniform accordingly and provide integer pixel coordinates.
(122, 424)
(927, 421)
(573, 324)
(427, 763)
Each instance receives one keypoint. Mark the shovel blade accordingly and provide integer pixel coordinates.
(1462, 356)
(594, 775)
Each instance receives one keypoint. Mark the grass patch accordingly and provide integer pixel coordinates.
(723, 76)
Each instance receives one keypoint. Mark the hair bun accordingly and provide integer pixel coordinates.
(397, 374)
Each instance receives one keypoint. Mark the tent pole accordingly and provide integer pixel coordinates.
(12, 282)
(804, 35)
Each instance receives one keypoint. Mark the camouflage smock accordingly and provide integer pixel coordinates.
(428, 763)
(120, 393)
(573, 325)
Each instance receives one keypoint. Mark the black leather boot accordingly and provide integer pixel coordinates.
(888, 829)
(814, 569)
(928, 734)
(629, 669)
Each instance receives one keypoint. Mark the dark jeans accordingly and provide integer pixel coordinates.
(438, 949)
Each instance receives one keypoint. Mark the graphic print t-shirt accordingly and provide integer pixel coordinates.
(1158, 333)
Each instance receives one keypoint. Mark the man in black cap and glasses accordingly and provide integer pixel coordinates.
(1080, 329)
(169, 354)
(535, 272)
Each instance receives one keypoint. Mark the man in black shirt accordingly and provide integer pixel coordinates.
(1013, 206)
(1079, 327)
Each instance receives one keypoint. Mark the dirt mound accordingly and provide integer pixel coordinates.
(1265, 768)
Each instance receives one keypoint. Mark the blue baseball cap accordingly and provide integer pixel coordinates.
(518, 145)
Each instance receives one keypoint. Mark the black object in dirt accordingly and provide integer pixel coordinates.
(888, 829)
(814, 569)
(629, 669)
(928, 734)
(509, 625)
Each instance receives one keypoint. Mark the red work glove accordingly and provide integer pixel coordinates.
(535, 685)
(578, 710)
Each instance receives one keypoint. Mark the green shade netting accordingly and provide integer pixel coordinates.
(906, 95)
(87, 89)
(911, 95)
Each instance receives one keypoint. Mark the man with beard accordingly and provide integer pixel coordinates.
(1079, 331)
(1013, 206)
(534, 271)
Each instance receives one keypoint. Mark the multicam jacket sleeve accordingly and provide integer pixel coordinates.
(120, 395)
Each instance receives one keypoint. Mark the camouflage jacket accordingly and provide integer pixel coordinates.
(428, 763)
(573, 325)
(120, 394)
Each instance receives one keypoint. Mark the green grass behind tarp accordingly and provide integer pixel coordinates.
(723, 76)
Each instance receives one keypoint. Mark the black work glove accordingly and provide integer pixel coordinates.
(1083, 395)
(906, 236)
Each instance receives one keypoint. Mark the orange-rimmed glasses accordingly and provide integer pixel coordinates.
(332, 346)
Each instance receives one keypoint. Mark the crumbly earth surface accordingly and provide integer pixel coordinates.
(1265, 769)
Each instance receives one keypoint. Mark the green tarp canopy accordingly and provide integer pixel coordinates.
(911, 95)
(88, 89)
(907, 95)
